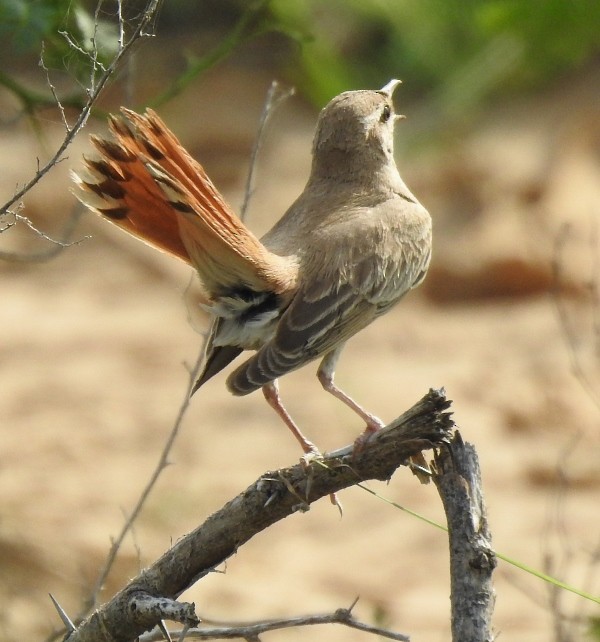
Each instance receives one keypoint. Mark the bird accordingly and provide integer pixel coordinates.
(351, 245)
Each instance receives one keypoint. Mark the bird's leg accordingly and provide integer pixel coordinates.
(326, 374)
(271, 393)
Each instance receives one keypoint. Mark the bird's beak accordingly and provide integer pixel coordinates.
(389, 89)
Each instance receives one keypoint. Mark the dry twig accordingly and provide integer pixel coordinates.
(275, 97)
(93, 92)
(571, 340)
(250, 631)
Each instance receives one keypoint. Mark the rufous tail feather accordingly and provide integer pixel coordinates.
(146, 183)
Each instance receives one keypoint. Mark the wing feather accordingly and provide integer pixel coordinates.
(352, 281)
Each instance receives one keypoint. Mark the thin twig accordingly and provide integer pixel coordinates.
(275, 97)
(73, 44)
(595, 283)
(7, 226)
(563, 317)
(53, 90)
(57, 245)
(162, 463)
(254, 629)
(23, 219)
(120, 21)
(93, 94)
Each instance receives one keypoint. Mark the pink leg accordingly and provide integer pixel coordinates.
(271, 393)
(326, 374)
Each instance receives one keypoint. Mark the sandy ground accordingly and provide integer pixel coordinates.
(95, 342)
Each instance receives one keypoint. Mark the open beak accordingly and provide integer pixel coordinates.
(389, 89)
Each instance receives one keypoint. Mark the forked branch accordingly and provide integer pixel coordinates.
(274, 496)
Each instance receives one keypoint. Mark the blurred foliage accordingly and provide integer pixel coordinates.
(457, 53)
(79, 38)
(253, 21)
(64, 36)
(25, 24)
(462, 50)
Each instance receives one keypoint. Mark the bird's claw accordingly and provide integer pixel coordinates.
(313, 454)
(374, 424)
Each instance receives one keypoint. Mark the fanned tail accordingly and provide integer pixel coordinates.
(147, 184)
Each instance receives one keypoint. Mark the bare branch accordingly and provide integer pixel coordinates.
(252, 630)
(472, 560)
(31, 226)
(121, 29)
(274, 496)
(7, 226)
(91, 56)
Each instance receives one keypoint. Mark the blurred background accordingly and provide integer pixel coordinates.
(501, 144)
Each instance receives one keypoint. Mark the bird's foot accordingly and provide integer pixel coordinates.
(311, 453)
(374, 424)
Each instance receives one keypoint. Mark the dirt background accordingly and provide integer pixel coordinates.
(95, 341)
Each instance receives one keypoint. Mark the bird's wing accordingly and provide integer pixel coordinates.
(310, 327)
(147, 184)
(333, 306)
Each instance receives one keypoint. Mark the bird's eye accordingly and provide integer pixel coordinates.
(386, 113)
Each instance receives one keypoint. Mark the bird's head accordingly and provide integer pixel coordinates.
(356, 126)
